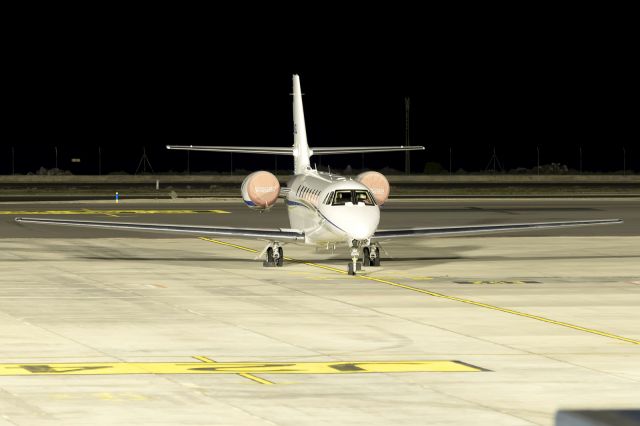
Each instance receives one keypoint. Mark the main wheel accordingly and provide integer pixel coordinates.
(366, 260)
(269, 261)
(280, 261)
(376, 261)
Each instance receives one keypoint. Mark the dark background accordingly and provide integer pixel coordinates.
(559, 84)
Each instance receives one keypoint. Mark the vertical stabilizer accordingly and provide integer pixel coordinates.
(301, 152)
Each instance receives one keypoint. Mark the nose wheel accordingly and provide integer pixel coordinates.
(354, 265)
(370, 257)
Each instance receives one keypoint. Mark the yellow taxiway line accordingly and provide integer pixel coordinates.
(246, 369)
(444, 296)
(245, 375)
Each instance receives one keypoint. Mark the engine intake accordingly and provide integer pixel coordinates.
(260, 190)
(377, 184)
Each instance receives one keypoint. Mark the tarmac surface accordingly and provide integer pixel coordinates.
(105, 327)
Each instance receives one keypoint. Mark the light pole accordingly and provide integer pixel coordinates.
(188, 162)
(407, 139)
(580, 151)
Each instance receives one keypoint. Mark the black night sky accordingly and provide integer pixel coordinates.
(124, 88)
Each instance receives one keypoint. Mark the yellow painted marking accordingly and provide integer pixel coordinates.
(478, 282)
(456, 299)
(508, 311)
(256, 379)
(107, 212)
(245, 375)
(246, 369)
(222, 243)
(203, 359)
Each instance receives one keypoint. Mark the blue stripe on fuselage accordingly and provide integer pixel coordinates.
(296, 203)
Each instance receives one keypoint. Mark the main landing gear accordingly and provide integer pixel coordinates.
(274, 255)
(370, 256)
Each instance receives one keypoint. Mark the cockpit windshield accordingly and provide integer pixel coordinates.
(352, 196)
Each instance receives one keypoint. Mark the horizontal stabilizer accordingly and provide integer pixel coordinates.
(274, 150)
(363, 149)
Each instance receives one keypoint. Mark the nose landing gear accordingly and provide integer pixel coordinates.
(370, 256)
(354, 265)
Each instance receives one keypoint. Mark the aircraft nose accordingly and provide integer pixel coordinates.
(364, 227)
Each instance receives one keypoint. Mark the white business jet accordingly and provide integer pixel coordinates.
(324, 209)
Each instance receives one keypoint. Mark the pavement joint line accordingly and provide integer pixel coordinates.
(245, 375)
(445, 296)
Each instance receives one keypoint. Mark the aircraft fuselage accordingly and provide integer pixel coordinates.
(314, 206)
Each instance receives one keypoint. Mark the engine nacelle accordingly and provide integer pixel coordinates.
(377, 184)
(260, 190)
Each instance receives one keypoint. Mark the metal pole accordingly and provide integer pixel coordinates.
(188, 162)
(538, 151)
(99, 161)
(407, 140)
(494, 160)
(580, 150)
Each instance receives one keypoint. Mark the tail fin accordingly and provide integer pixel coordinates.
(301, 151)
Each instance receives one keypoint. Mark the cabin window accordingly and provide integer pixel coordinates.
(328, 198)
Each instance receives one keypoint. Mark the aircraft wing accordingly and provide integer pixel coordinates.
(482, 229)
(363, 149)
(238, 149)
(278, 234)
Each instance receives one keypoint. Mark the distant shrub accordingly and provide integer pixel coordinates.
(433, 168)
